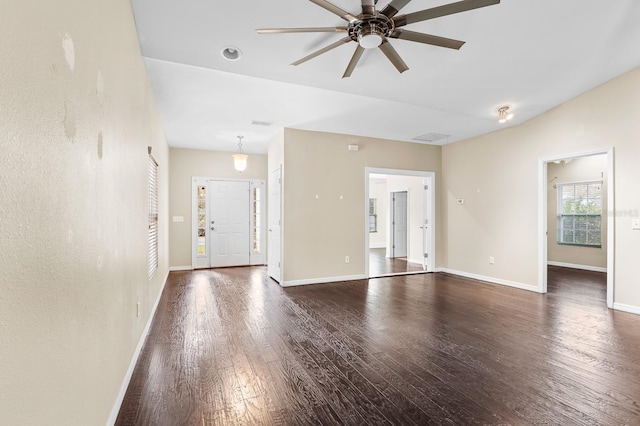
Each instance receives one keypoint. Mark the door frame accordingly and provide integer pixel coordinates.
(195, 180)
(542, 217)
(429, 211)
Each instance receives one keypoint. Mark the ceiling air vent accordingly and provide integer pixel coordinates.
(430, 137)
(261, 123)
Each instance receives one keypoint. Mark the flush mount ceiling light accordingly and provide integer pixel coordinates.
(240, 158)
(231, 53)
(504, 114)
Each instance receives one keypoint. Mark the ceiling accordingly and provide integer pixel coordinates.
(532, 55)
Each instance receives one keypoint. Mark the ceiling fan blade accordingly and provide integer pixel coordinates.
(302, 30)
(426, 38)
(394, 7)
(335, 10)
(368, 7)
(323, 50)
(447, 9)
(354, 61)
(393, 56)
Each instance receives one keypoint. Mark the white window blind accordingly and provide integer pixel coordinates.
(580, 214)
(153, 215)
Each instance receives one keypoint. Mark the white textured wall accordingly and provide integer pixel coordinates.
(76, 117)
(497, 175)
(185, 164)
(378, 190)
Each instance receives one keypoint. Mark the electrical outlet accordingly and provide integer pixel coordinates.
(138, 309)
(346, 259)
(492, 260)
(635, 224)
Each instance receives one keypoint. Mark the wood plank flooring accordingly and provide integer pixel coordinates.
(230, 346)
(380, 265)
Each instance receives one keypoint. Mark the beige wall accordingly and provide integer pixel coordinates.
(583, 169)
(497, 174)
(75, 124)
(321, 228)
(188, 163)
(378, 190)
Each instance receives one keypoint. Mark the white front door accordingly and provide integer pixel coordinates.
(274, 268)
(229, 223)
(399, 224)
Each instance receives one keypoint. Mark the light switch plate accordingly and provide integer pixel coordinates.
(178, 218)
(635, 224)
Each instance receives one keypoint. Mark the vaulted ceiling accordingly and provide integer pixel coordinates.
(532, 55)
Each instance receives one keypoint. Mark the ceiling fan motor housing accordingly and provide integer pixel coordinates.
(370, 30)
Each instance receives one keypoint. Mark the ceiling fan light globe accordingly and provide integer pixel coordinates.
(370, 41)
(509, 116)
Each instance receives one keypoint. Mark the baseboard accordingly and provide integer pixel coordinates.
(180, 268)
(493, 280)
(417, 261)
(574, 266)
(136, 354)
(383, 245)
(323, 280)
(627, 308)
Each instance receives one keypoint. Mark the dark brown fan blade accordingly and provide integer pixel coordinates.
(335, 9)
(447, 9)
(394, 7)
(368, 7)
(393, 56)
(302, 30)
(354, 61)
(323, 50)
(426, 38)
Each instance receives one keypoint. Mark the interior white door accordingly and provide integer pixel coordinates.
(230, 218)
(399, 224)
(274, 268)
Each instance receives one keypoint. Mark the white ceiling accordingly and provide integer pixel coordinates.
(532, 55)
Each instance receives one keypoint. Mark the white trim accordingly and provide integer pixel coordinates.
(134, 359)
(416, 261)
(180, 268)
(542, 217)
(379, 245)
(323, 280)
(627, 308)
(575, 266)
(500, 281)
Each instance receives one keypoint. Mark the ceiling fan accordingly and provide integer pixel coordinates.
(373, 28)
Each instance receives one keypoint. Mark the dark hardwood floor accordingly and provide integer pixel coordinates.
(379, 264)
(230, 346)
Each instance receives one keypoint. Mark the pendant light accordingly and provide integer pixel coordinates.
(239, 158)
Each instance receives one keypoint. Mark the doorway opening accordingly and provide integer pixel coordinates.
(400, 222)
(576, 215)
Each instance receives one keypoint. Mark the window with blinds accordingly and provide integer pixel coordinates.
(153, 215)
(580, 214)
